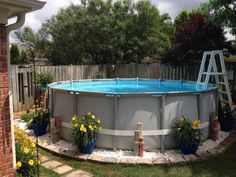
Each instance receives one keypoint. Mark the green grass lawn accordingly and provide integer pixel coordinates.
(220, 166)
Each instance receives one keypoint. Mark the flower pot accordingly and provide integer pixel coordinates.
(88, 148)
(227, 125)
(39, 129)
(189, 148)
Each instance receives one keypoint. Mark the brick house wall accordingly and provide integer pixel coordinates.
(6, 157)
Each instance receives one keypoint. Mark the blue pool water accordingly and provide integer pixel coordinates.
(130, 86)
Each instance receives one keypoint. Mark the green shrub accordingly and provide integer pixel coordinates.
(43, 79)
(27, 116)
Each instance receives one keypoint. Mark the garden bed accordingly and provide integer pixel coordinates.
(206, 149)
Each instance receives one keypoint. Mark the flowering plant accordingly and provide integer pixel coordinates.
(85, 128)
(26, 155)
(187, 131)
(39, 117)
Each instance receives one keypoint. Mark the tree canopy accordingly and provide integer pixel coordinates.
(128, 31)
(194, 36)
(182, 17)
(222, 12)
(98, 32)
(15, 55)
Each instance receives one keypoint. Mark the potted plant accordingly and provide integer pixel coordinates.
(85, 131)
(226, 118)
(187, 134)
(40, 121)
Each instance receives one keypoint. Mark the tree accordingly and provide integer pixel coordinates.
(98, 32)
(222, 12)
(15, 54)
(181, 18)
(32, 40)
(23, 57)
(193, 38)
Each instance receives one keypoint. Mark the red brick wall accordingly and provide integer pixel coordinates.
(6, 160)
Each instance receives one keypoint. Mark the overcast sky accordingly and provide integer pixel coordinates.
(173, 7)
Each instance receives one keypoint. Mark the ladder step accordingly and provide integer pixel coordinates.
(220, 91)
(214, 73)
(220, 83)
(226, 102)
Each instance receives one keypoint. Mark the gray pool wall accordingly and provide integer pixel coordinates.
(119, 114)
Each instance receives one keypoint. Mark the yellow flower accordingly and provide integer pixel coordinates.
(74, 118)
(18, 165)
(89, 113)
(84, 130)
(98, 121)
(93, 116)
(76, 125)
(26, 150)
(90, 127)
(196, 124)
(95, 126)
(31, 162)
(33, 145)
(82, 125)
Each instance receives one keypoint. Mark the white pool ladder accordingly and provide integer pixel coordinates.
(221, 78)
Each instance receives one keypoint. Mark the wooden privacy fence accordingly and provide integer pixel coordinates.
(22, 78)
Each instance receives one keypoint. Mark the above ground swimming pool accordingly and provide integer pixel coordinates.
(121, 103)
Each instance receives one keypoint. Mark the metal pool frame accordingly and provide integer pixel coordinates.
(119, 113)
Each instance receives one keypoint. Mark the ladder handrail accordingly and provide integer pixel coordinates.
(207, 74)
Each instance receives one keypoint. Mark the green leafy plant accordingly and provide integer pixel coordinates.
(41, 117)
(41, 80)
(100, 75)
(233, 94)
(27, 116)
(85, 128)
(186, 131)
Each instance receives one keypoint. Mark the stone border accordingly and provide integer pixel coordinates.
(221, 148)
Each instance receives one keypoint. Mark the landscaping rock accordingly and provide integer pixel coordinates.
(51, 164)
(63, 169)
(160, 160)
(79, 173)
(190, 157)
(144, 161)
(176, 159)
(203, 155)
(127, 161)
(95, 157)
(110, 159)
(213, 152)
(44, 159)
